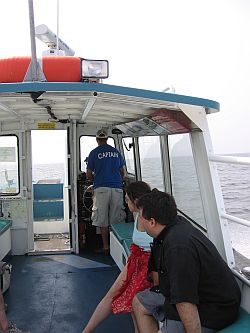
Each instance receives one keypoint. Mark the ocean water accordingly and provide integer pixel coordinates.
(235, 184)
(55, 171)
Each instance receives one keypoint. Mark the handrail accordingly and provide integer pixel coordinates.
(229, 159)
(241, 277)
(235, 219)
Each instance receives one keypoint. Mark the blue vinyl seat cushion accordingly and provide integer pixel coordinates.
(4, 225)
(123, 230)
(241, 325)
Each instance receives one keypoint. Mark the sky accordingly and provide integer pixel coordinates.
(200, 47)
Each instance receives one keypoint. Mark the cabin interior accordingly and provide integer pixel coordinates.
(46, 228)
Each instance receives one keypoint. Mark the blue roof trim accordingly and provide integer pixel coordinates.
(82, 86)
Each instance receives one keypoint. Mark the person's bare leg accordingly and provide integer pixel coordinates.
(135, 322)
(105, 237)
(146, 323)
(3, 319)
(103, 309)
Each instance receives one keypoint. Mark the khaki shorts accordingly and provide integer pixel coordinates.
(108, 206)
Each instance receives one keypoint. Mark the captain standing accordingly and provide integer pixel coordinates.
(105, 168)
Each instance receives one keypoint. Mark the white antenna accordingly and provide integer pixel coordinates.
(55, 44)
(52, 40)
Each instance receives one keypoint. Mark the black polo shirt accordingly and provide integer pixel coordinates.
(191, 270)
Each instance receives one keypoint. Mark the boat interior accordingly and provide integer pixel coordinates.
(46, 228)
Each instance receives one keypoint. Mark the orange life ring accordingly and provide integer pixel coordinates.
(55, 69)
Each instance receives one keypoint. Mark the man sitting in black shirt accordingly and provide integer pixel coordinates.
(201, 293)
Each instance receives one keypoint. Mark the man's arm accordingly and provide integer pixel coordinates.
(190, 318)
(122, 172)
(89, 175)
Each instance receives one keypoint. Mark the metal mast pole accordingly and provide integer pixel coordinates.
(57, 37)
(34, 72)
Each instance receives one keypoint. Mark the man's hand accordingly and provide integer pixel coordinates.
(89, 175)
(190, 318)
(122, 172)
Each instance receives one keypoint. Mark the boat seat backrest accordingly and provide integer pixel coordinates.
(241, 325)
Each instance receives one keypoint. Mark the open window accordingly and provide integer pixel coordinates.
(185, 186)
(151, 162)
(128, 150)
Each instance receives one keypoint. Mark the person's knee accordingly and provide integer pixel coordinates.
(138, 307)
(136, 304)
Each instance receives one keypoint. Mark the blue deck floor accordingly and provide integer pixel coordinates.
(57, 293)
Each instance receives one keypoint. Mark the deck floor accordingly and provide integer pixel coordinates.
(52, 242)
(57, 293)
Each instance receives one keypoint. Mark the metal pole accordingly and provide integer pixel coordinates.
(33, 69)
(34, 72)
(57, 37)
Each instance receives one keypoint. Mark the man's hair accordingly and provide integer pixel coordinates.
(158, 205)
(101, 140)
(137, 189)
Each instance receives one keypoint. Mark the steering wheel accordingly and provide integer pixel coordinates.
(88, 194)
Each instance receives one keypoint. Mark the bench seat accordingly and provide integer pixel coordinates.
(5, 237)
(123, 230)
(120, 241)
(241, 325)
(4, 225)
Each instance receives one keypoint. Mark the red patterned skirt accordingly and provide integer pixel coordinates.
(136, 280)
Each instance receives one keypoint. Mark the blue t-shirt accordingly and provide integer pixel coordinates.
(106, 161)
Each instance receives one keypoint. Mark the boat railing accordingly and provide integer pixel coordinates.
(231, 160)
(235, 219)
(241, 276)
(239, 272)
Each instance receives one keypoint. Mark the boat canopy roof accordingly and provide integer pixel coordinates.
(97, 104)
